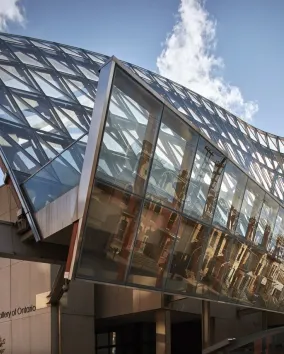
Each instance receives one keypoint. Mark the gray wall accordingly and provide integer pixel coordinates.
(20, 283)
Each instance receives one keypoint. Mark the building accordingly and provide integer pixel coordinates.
(123, 220)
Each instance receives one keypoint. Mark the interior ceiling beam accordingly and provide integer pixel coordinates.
(12, 247)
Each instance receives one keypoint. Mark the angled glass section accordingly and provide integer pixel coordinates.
(172, 163)
(185, 265)
(250, 210)
(56, 178)
(130, 134)
(109, 234)
(153, 245)
(266, 221)
(205, 181)
(230, 198)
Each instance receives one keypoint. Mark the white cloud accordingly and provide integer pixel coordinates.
(10, 11)
(188, 58)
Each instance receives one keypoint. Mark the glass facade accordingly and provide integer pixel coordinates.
(171, 206)
(169, 211)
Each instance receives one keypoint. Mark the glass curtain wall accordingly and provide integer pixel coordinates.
(169, 211)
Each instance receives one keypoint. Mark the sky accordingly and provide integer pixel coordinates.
(229, 51)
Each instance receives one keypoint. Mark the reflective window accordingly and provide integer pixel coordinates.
(204, 182)
(233, 279)
(266, 221)
(276, 242)
(187, 256)
(230, 198)
(109, 233)
(153, 245)
(250, 210)
(172, 161)
(130, 133)
(215, 265)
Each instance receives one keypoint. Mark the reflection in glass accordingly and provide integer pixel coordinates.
(251, 206)
(230, 198)
(215, 265)
(109, 233)
(184, 268)
(130, 133)
(153, 245)
(205, 181)
(276, 242)
(234, 274)
(172, 161)
(266, 221)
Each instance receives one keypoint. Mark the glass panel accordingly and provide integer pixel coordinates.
(205, 181)
(153, 245)
(266, 221)
(215, 265)
(172, 161)
(276, 243)
(56, 178)
(130, 132)
(108, 238)
(184, 270)
(230, 198)
(11, 81)
(233, 279)
(50, 90)
(251, 206)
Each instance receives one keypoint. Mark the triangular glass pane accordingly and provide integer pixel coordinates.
(11, 81)
(271, 145)
(74, 131)
(78, 117)
(5, 54)
(27, 59)
(4, 142)
(94, 58)
(81, 97)
(49, 153)
(281, 146)
(88, 73)
(10, 39)
(83, 87)
(5, 115)
(34, 119)
(261, 139)
(8, 104)
(43, 45)
(60, 66)
(40, 105)
(16, 72)
(69, 51)
(50, 90)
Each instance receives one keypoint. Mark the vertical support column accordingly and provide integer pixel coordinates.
(163, 332)
(205, 324)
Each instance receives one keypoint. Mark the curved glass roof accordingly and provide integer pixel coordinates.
(47, 93)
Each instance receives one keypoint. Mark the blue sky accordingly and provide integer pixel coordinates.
(229, 51)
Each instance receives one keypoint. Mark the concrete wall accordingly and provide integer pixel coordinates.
(77, 309)
(20, 283)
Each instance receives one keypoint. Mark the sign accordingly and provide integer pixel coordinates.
(17, 311)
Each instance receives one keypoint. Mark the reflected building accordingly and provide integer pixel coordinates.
(149, 185)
